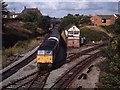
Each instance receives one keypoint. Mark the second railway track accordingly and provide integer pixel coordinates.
(65, 80)
(74, 56)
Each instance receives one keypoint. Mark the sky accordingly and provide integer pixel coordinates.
(60, 8)
(61, 0)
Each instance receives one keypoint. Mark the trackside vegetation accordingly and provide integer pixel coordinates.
(110, 75)
(92, 35)
(19, 47)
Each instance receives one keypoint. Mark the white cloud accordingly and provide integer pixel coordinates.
(45, 5)
(83, 5)
(61, 0)
(59, 9)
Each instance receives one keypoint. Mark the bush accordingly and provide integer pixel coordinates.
(30, 26)
(44, 22)
(94, 35)
(109, 80)
(19, 47)
(29, 17)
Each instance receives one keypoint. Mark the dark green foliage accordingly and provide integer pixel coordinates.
(29, 17)
(30, 26)
(44, 22)
(93, 35)
(84, 19)
(22, 44)
(69, 19)
(4, 7)
(76, 19)
(111, 67)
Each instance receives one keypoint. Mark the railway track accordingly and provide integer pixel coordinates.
(18, 66)
(39, 81)
(29, 81)
(29, 78)
(10, 71)
(65, 80)
(24, 80)
(78, 54)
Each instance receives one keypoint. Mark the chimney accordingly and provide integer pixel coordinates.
(24, 7)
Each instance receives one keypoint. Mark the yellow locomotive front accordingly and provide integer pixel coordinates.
(44, 56)
(44, 59)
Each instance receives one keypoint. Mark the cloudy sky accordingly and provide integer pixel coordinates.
(60, 8)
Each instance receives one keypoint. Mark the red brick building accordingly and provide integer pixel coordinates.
(4, 16)
(26, 10)
(73, 36)
(98, 20)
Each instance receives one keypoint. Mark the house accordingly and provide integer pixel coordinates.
(73, 36)
(10, 15)
(5, 15)
(26, 10)
(104, 20)
(13, 15)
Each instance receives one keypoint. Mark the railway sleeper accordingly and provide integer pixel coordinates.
(91, 67)
(79, 88)
(89, 71)
(85, 76)
(81, 76)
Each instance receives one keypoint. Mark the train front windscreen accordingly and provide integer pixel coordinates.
(44, 56)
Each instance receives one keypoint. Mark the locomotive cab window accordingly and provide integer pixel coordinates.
(41, 52)
(48, 53)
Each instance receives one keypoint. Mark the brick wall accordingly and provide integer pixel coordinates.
(73, 43)
(112, 20)
(97, 21)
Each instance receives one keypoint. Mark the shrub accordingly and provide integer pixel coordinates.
(44, 22)
(30, 26)
(29, 16)
(93, 35)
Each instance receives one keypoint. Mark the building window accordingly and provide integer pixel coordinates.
(70, 32)
(76, 32)
(73, 42)
(103, 20)
(73, 27)
(92, 19)
(73, 32)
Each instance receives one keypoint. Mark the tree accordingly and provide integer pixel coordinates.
(69, 19)
(25, 17)
(44, 22)
(4, 9)
(31, 16)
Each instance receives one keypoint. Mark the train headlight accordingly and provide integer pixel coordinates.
(49, 65)
(38, 65)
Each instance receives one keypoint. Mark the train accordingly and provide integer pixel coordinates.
(53, 51)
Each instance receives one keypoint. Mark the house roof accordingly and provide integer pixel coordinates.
(26, 10)
(68, 27)
(13, 13)
(105, 16)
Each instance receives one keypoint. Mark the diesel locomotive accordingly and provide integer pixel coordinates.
(53, 51)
